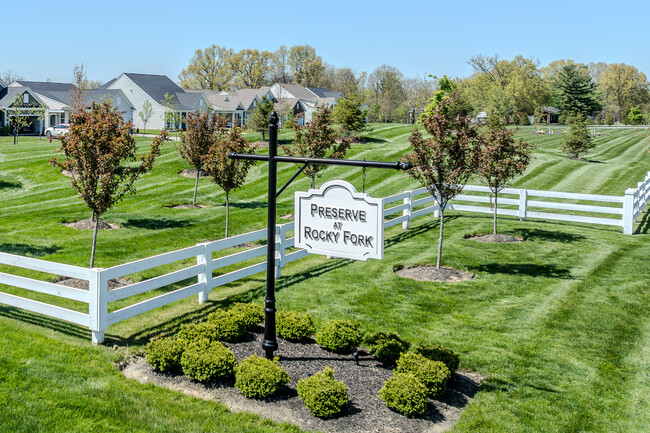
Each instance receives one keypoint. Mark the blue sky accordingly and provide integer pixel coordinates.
(46, 39)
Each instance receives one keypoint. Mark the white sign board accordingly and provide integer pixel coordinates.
(338, 221)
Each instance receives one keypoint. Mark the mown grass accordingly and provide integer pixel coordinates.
(558, 324)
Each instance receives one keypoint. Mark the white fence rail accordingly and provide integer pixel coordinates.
(522, 203)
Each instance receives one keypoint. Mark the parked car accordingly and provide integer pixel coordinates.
(57, 130)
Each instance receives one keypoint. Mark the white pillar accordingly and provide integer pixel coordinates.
(628, 211)
(280, 251)
(408, 211)
(97, 305)
(205, 275)
(523, 203)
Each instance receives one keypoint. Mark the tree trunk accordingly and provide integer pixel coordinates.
(263, 136)
(313, 182)
(227, 211)
(496, 207)
(92, 253)
(442, 230)
(196, 186)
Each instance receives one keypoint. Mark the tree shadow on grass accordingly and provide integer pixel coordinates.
(247, 204)
(61, 326)
(528, 269)
(155, 223)
(644, 225)
(29, 250)
(547, 235)
(8, 184)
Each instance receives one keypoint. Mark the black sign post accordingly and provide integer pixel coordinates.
(270, 343)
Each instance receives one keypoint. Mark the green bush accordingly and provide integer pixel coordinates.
(250, 314)
(404, 393)
(5, 130)
(229, 325)
(322, 394)
(164, 354)
(387, 347)
(439, 353)
(192, 332)
(259, 377)
(204, 360)
(339, 335)
(432, 374)
(294, 326)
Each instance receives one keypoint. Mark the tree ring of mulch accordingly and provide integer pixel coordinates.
(191, 173)
(498, 238)
(186, 206)
(430, 273)
(365, 411)
(76, 283)
(89, 224)
(288, 216)
(68, 173)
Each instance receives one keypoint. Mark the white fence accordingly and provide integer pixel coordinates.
(522, 203)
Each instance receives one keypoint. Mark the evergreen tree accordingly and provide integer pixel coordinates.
(578, 140)
(349, 115)
(259, 120)
(575, 92)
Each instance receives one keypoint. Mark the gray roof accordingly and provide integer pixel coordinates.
(155, 86)
(299, 91)
(187, 100)
(58, 91)
(325, 93)
(550, 110)
(97, 95)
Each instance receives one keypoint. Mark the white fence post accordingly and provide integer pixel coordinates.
(408, 212)
(97, 305)
(206, 275)
(280, 236)
(628, 211)
(523, 203)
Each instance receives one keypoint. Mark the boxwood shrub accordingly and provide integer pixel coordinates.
(205, 360)
(433, 374)
(439, 353)
(228, 325)
(164, 354)
(250, 314)
(340, 335)
(387, 347)
(294, 326)
(404, 393)
(191, 332)
(322, 394)
(259, 377)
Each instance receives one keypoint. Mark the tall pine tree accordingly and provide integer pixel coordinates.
(575, 93)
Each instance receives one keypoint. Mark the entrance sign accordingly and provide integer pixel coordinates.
(338, 221)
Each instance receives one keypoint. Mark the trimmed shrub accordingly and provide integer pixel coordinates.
(339, 335)
(250, 314)
(164, 354)
(439, 353)
(191, 332)
(387, 347)
(322, 394)
(432, 374)
(259, 377)
(204, 360)
(294, 326)
(229, 325)
(404, 393)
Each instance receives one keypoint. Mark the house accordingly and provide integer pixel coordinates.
(48, 103)
(157, 89)
(236, 104)
(303, 101)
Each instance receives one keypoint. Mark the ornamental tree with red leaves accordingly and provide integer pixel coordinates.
(99, 153)
(444, 160)
(228, 173)
(501, 159)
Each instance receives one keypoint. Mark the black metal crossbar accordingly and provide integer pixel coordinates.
(325, 161)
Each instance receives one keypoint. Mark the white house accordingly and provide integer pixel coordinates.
(156, 89)
(237, 104)
(304, 101)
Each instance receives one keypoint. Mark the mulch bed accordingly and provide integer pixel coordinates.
(186, 206)
(89, 224)
(191, 173)
(495, 238)
(430, 273)
(288, 216)
(76, 283)
(364, 413)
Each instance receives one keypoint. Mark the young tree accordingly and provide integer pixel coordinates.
(317, 140)
(145, 114)
(98, 150)
(228, 173)
(200, 135)
(578, 140)
(349, 115)
(172, 116)
(501, 159)
(259, 120)
(19, 113)
(445, 160)
(79, 91)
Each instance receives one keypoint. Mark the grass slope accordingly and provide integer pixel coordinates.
(558, 324)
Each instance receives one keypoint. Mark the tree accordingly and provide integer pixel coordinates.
(79, 91)
(172, 116)
(306, 66)
(386, 92)
(634, 116)
(501, 159)
(578, 140)
(228, 173)
(348, 113)
(280, 66)
(624, 87)
(210, 69)
(145, 113)
(317, 140)
(99, 151)
(444, 161)
(9, 76)
(200, 135)
(20, 111)
(259, 119)
(575, 92)
(253, 68)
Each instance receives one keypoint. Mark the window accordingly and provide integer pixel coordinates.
(26, 98)
(62, 117)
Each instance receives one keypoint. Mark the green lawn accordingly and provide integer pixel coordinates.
(558, 324)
